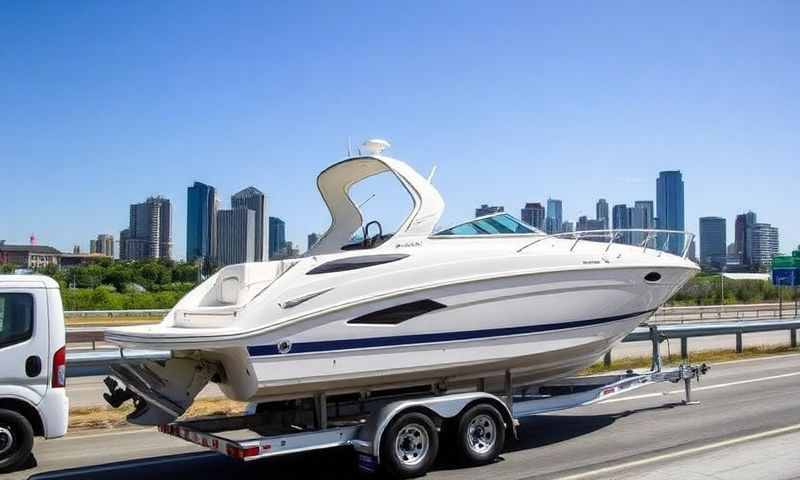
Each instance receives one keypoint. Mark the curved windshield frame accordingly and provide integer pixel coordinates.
(494, 224)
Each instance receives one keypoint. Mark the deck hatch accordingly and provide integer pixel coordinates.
(397, 314)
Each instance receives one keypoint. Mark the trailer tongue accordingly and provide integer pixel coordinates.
(400, 430)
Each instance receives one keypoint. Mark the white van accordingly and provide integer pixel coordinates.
(33, 400)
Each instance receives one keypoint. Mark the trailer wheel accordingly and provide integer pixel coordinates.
(409, 445)
(16, 439)
(481, 434)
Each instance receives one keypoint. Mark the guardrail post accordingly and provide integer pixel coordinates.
(607, 359)
(739, 342)
(655, 361)
(793, 337)
(684, 348)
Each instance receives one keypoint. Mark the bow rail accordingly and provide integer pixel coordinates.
(663, 240)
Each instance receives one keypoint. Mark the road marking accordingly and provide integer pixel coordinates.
(697, 389)
(81, 472)
(109, 434)
(668, 456)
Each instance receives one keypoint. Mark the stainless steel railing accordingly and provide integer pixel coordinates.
(627, 234)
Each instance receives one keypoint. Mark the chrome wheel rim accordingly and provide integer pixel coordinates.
(481, 433)
(6, 440)
(411, 444)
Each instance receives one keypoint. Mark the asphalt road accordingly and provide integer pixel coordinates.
(747, 426)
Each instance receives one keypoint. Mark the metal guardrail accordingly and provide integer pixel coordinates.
(725, 312)
(90, 361)
(115, 313)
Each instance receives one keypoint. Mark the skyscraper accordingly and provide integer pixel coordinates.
(150, 232)
(104, 245)
(554, 216)
(201, 221)
(641, 217)
(313, 238)
(124, 237)
(762, 244)
(277, 236)
(713, 241)
(621, 221)
(533, 215)
(743, 222)
(601, 211)
(488, 210)
(586, 224)
(236, 236)
(255, 200)
(669, 202)
(649, 212)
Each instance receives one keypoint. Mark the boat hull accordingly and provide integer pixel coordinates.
(541, 327)
(531, 358)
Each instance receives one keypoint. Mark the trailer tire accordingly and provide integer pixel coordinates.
(16, 439)
(409, 445)
(480, 435)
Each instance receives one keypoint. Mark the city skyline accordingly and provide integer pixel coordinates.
(240, 247)
(562, 121)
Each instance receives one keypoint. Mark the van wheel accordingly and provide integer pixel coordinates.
(409, 446)
(481, 434)
(16, 439)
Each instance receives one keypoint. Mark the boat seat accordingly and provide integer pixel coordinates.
(230, 283)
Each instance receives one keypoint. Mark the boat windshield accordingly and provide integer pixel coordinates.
(495, 224)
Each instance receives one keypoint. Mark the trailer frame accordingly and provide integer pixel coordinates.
(245, 437)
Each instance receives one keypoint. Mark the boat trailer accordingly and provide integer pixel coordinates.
(399, 430)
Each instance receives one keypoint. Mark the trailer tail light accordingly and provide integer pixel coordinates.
(240, 453)
(60, 368)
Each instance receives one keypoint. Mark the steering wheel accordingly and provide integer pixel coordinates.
(369, 242)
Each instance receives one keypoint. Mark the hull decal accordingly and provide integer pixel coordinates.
(402, 340)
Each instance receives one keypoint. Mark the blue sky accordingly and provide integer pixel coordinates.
(105, 103)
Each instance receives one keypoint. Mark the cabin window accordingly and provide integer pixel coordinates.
(354, 263)
(497, 224)
(397, 314)
(16, 318)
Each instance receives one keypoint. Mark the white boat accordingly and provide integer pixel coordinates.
(417, 306)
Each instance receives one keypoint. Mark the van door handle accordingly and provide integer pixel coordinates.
(33, 366)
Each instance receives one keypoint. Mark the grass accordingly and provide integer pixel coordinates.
(106, 321)
(108, 418)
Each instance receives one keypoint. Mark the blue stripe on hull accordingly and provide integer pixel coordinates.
(398, 340)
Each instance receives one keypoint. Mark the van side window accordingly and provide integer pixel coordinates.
(16, 318)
